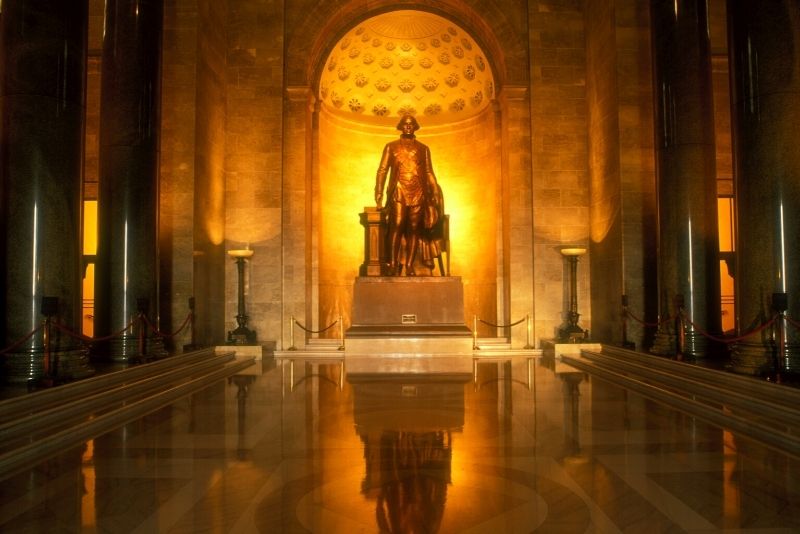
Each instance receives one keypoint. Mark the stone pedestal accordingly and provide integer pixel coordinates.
(400, 315)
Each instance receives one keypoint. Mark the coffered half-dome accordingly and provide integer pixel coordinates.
(407, 62)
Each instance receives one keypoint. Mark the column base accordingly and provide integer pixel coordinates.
(66, 365)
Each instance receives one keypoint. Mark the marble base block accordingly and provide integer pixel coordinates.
(402, 315)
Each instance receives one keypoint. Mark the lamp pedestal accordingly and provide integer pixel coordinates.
(570, 332)
(241, 335)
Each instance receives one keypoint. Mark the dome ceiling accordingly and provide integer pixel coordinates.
(407, 62)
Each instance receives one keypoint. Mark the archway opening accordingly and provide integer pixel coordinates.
(419, 63)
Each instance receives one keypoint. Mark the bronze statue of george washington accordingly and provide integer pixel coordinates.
(414, 203)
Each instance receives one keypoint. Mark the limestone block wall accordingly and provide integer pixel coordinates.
(177, 165)
(621, 166)
(637, 167)
(560, 180)
(253, 159)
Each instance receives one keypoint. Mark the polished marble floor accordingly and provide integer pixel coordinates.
(458, 445)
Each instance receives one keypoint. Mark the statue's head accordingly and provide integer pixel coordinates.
(408, 125)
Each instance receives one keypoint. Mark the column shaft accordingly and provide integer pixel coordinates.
(127, 263)
(43, 62)
(765, 69)
(686, 171)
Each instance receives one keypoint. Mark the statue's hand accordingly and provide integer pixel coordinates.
(378, 198)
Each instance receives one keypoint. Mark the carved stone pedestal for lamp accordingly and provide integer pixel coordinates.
(241, 335)
(570, 332)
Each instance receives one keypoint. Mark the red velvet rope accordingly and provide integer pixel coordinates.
(88, 339)
(175, 333)
(730, 339)
(501, 325)
(641, 321)
(316, 331)
(22, 340)
(792, 321)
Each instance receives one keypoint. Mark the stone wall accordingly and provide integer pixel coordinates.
(621, 165)
(253, 159)
(560, 180)
(177, 166)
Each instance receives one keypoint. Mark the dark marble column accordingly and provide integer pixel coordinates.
(685, 168)
(43, 62)
(765, 72)
(127, 273)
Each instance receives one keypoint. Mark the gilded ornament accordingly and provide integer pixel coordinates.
(477, 98)
(355, 105)
(452, 79)
(380, 110)
(469, 72)
(407, 109)
(383, 85)
(430, 84)
(406, 86)
(433, 109)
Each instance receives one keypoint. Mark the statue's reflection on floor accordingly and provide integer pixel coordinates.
(408, 445)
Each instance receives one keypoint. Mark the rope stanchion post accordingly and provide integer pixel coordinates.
(49, 309)
(142, 304)
(780, 303)
(192, 339)
(626, 343)
(680, 328)
(529, 332)
(475, 332)
(291, 334)
(341, 333)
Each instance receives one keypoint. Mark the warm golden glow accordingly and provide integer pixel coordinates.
(727, 244)
(241, 253)
(90, 227)
(725, 223)
(88, 510)
(89, 249)
(214, 215)
(573, 251)
(349, 157)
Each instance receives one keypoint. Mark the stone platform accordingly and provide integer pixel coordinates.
(404, 315)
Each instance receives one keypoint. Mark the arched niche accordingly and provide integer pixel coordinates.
(470, 158)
